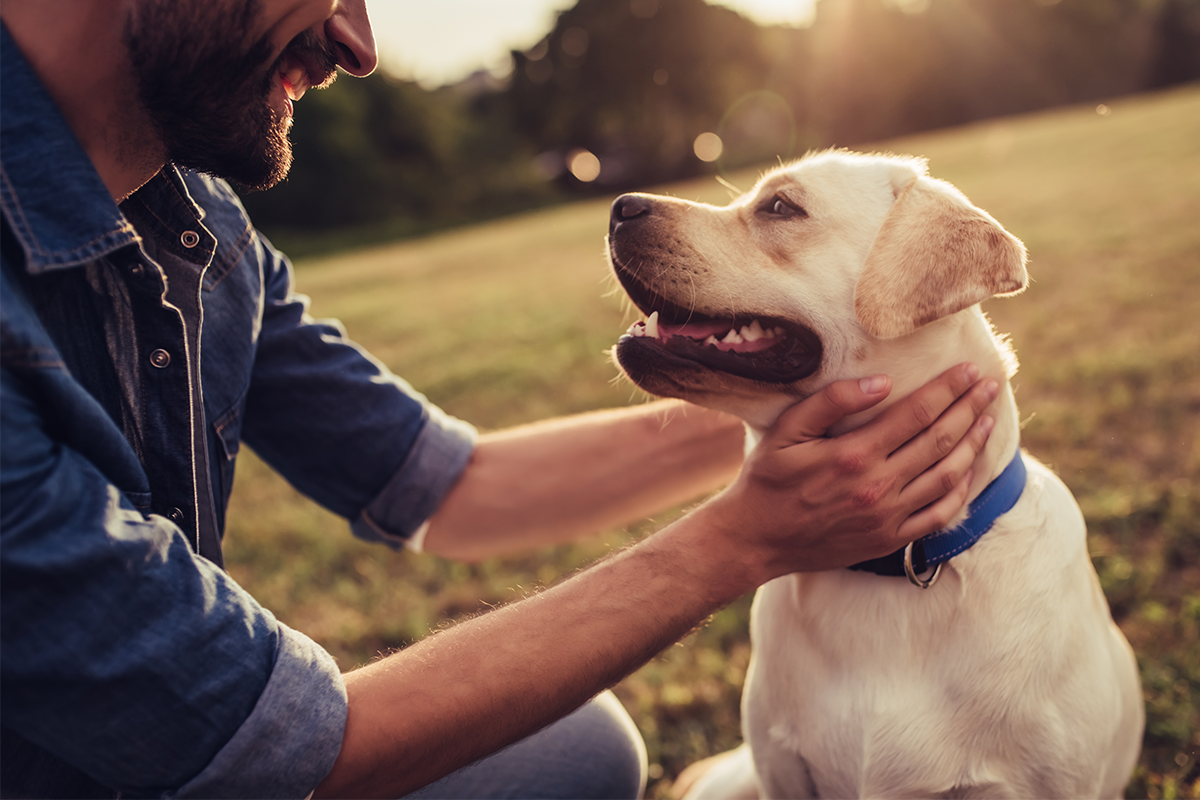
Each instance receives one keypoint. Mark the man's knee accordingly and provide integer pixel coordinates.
(596, 753)
(611, 739)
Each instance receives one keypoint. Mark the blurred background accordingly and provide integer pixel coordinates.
(606, 95)
(451, 211)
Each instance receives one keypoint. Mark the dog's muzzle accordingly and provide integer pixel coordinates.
(738, 342)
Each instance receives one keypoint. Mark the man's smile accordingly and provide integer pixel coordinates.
(294, 78)
(305, 64)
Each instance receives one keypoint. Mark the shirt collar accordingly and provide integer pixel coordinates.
(54, 201)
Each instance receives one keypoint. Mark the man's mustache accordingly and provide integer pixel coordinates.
(318, 54)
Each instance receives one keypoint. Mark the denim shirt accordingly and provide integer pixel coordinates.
(140, 345)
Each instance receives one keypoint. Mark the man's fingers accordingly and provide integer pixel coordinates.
(812, 417)
(910, 416)
(945, 475)
(949, 431)
(936, 516)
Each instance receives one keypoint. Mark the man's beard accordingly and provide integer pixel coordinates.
(206, 86)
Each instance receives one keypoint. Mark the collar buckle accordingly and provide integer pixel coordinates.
(913, 578)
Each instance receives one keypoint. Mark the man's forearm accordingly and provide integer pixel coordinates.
(559, 480)
(468, 691)
(802, 502)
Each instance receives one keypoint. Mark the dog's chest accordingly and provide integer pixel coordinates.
(877, 688)
(876, 716)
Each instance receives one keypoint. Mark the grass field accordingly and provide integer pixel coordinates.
(508, 322)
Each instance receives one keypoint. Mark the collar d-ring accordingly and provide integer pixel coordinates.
(912, 575)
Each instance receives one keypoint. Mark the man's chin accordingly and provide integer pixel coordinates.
(261, 179)
(256, 166)
(273, 167)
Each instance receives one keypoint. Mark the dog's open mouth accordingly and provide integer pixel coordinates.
(766, 349)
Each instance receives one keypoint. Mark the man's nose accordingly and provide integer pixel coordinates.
(350, 31)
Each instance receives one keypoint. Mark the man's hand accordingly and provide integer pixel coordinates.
(816, 503)
(801, 502)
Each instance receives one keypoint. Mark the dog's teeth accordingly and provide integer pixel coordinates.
(753, 332)
(732, 338)
(652, 325)
(711, 340)
(777, 331)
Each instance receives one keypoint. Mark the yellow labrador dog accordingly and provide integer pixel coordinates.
(980, 662)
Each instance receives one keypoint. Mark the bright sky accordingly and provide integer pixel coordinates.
(440, 41)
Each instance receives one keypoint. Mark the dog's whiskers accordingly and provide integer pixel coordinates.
(734, 191)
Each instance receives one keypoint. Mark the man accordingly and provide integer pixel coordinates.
(148, 330)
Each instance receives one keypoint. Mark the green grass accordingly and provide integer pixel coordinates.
(508, 321)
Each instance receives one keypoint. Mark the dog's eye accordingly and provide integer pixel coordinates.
(780, 207)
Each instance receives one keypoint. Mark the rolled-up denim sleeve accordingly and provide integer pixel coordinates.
(291, 739)
(436, 459)
(131, 658)
(340, 426)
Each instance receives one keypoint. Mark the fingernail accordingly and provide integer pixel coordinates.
(970, 476)
(992, 388)
(971, 371)
(873, 384)
(986, 423)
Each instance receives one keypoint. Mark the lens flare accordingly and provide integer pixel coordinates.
(708, 146)
(584, 165)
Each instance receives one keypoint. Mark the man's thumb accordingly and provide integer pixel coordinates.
(813, 417)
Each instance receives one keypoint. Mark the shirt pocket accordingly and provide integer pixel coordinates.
(141, 501)
(227, 438)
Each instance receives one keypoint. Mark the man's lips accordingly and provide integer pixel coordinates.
(294, 76)
(308, 62)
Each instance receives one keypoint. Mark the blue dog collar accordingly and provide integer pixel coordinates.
(933, 550)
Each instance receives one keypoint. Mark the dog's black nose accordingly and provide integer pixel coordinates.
(627, 207)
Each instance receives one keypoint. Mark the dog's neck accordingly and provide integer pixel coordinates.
(964, 337)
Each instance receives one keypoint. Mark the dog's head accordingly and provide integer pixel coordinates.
(825, 265)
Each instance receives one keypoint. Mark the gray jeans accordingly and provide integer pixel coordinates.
(595, 752)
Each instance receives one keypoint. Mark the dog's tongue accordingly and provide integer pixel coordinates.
(721, 334)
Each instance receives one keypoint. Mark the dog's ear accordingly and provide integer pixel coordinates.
(934, 255)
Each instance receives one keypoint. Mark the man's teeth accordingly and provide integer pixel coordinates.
(295, 82)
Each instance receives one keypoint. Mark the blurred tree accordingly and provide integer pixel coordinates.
(634, 82)
(883, 68)
(1178, 43)
(386, 153)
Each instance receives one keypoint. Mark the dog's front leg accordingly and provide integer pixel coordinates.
(787, 778)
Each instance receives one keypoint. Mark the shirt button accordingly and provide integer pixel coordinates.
(160, 358)
(176, 516)
(189, 239)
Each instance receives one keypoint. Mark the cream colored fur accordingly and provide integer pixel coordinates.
(1008, 677)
